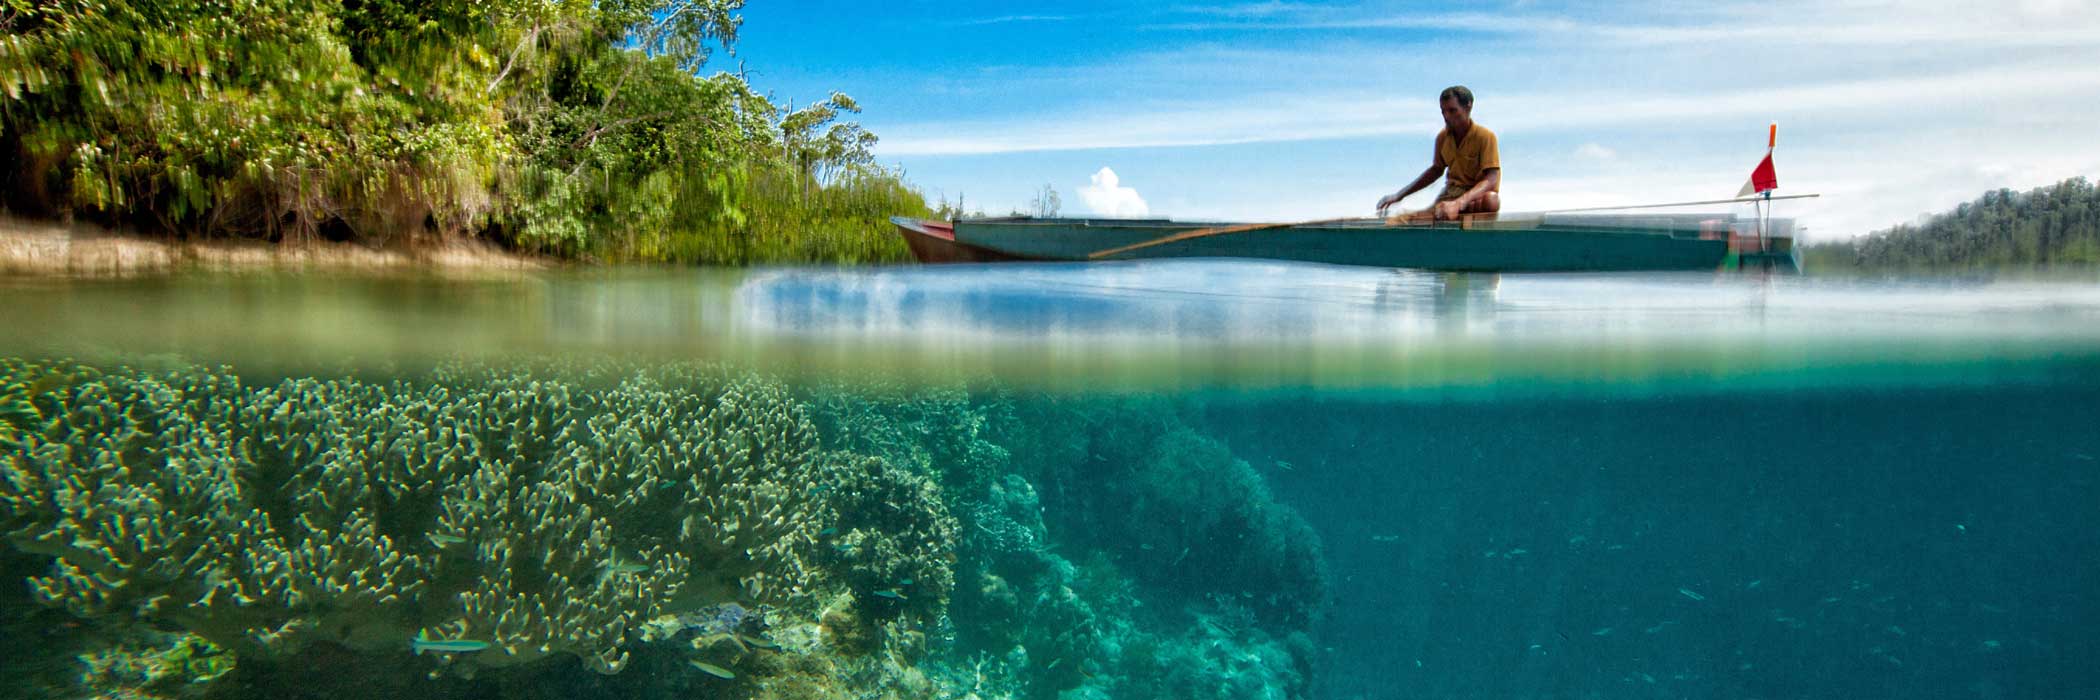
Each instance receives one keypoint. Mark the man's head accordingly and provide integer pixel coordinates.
(1457, 104)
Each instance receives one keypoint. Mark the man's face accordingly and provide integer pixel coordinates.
(1456, 117)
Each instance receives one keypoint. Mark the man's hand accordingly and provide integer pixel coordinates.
(1387, 202)
(1448, 210)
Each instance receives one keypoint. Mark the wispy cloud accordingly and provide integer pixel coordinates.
(1594, 151)
(1272, 8)
(2032, 23)
(1301, 117)
(1010, 19)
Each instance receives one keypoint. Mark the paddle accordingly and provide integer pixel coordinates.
(1213, 231)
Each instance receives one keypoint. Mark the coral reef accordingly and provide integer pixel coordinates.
(533, 514)
(711, 533)
(1186, 578)
(1185, 516)
(155, 664)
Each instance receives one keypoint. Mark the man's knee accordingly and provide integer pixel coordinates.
(1491, 202)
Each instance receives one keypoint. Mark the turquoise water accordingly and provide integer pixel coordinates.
(1178, 479)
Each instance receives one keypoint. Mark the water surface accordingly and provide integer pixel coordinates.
(1285, 480)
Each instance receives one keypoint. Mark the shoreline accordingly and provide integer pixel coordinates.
(33, 247)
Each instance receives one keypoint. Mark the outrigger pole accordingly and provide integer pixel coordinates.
(1738, 200)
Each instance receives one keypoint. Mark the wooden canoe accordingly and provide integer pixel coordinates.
(1511, 243)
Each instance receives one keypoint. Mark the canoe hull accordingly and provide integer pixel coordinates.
(1558, 244)
(934, 242)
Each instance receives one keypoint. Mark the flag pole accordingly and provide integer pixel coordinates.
(1764, 215)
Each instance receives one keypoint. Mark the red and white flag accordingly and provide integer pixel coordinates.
(1764, 178)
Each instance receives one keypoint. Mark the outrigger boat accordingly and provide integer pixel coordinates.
(1572, 240)
(1564, 242)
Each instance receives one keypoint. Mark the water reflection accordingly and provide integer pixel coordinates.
(1455, 299)
(1202, 321)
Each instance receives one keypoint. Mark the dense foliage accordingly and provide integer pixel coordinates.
(2057, 225)
(576, 127)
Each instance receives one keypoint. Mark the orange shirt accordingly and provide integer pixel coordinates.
(1466, 161)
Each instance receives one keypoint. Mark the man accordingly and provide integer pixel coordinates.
(1466, 152)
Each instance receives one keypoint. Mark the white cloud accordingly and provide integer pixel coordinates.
(1010, 19)
(2035, 23)
(1108, 197)
(1595, 151)
(1306, 117)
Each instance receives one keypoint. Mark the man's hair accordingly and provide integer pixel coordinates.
(1460, 93)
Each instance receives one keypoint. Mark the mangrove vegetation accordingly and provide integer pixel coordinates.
(2053, 226)
(592, 129)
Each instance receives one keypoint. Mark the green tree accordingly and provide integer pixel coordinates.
(819, 145)
(576, 127)
(2048, 226)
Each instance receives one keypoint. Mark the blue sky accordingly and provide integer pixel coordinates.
(1299, 110)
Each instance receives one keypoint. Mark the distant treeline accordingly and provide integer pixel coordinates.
(581, 128)
(2057, 225)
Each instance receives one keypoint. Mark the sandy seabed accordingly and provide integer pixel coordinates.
(33, 247)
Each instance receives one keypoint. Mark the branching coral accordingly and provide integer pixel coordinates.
(540, 513)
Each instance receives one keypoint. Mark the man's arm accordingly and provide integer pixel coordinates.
(1489, 180)
(1436, 170)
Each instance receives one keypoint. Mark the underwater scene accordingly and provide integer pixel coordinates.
(1182, 479)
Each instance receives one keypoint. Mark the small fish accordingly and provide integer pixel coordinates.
(890, 593)
(422, 643)
(443, 541)
(1753, 584)
(1385, 538)
(1689, 593)
(1283, 465)
(2081, 456)
(1601, 631)
(627, 568)
(712, 670)
(1520, 551)
(827, 532)
(1659, 627)
(904, 582)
